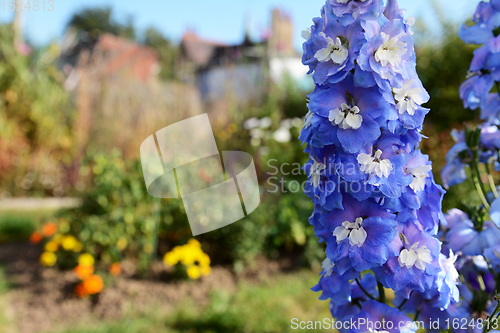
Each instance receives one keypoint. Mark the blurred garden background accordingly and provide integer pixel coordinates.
(80, 247)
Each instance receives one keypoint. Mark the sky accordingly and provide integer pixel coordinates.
(218, 20)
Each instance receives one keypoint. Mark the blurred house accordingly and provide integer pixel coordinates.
(118, 97)
(241, 72)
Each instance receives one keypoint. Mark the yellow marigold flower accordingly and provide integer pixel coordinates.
(171, 258)
(86, 259)
(69, 242)
(121, 244)
(48, 259)
(205, 270)
(194, 242)
(204, 260)
(188, 257)
(193, 272)
(51, 246)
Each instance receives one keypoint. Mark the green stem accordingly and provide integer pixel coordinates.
(364, 290)
(491, 180)
(156, 220)
(381, 292)
(476, 178)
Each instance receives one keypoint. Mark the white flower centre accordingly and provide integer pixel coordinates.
(375, 164)
(408, 98)
(391, 51)
(306, 34)
(352, 230)
(327, 266)
(346, 117)
(334, 51)
(448, 265)
(419, 175)
(415, 256)
(315, 173)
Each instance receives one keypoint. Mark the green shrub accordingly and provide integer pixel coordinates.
(15, 227)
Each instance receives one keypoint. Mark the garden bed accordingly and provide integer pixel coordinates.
(42, 299)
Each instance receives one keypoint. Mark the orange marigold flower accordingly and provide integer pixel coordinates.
(80, 290)
(49, 229)
(83, 271)
(115, 269)
(36, 237)
(93, 284)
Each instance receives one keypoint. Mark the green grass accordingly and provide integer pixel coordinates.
(267, 307)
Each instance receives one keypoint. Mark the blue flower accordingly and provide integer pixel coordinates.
(495, 212)
(381, 317)
(334, 286)
(349, 10)
(462, 235)
(361, 233)
(345, 311)
(330, 50)
(491, 109)
(493, 255)
(441, 289)
(479, 281)
(386, 53)
(320, 231)
(383, 165)
(447, 281)
(489, 143)
(420, 169)
(487, 19)
(474, 91)
(453, 172)
(377, 205)
(430, 214)
(487, 56)
(428, 313)
(350, 116)
(321, 186)
(416, 262)
(410, 98)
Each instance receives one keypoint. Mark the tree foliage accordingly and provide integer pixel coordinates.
(95, 21)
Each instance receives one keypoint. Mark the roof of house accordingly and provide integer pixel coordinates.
(198, 50)
(121, 54)
(110, 54)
